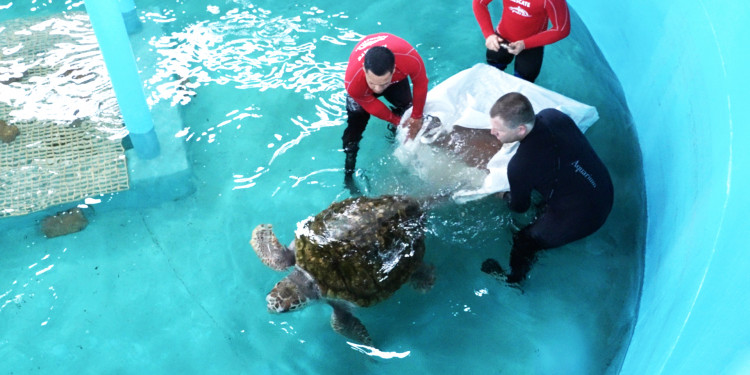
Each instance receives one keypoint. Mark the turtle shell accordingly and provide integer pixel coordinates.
(362, 249)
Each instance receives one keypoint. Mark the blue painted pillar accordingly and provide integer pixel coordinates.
(130, 16)
(109, 27)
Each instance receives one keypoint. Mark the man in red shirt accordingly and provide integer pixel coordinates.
(522, 32)
(379, 66)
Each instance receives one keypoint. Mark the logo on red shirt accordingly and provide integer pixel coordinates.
(519, 11)
(369, 42)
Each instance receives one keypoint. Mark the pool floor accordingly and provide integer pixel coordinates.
(174, 287)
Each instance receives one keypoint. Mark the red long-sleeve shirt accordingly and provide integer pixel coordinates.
(526, 20)
(408, 63)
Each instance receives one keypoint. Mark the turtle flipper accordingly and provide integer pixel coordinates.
(423, 277)
(269, 250)
(293, 292)
(347, 325)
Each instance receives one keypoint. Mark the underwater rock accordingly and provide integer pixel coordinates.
(64, 222)
(8, 133)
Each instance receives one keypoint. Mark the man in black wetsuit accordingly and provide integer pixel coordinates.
(555, 159)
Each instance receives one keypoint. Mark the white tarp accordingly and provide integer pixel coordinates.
(465, 99)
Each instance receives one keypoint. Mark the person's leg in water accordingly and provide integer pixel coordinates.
(552, 229)
(529, 63)
(356, 122)
(522, 256)
(399, 95)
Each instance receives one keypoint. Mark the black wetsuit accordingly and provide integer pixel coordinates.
(556, 160)
(398, 94)
(528, 62)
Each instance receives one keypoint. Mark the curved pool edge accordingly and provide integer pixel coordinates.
(680, 68)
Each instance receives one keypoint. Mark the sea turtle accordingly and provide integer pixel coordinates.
(474, 146)
(357, 252)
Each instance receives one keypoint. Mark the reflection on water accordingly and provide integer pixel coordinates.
(51, 69)
(252, 49)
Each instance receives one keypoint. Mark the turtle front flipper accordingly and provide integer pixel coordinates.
(269, 249)
(423, 277)
(347, 325)
(293, 292)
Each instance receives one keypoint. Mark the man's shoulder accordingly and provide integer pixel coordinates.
(553, 116)
(354, 82)
(550, 112)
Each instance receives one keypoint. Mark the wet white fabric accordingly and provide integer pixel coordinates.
(465, 99)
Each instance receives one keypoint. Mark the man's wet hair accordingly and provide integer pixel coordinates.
(514, 108)
(379, 61)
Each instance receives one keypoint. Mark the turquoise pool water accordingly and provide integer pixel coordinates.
(175, 288)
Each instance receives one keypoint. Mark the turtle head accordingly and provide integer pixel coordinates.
(293, 292)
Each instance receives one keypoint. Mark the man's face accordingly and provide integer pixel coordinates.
(505, 133)
(378, 84)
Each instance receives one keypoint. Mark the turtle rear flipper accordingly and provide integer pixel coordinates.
(347, 325)
(269, 249)
(423, 277)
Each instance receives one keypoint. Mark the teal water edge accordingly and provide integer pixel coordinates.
(174, 287)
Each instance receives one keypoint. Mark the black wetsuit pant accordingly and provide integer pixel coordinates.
(553, 228)
(528, 62)
(398, 94)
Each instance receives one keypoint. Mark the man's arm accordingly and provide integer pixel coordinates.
(482, 14)
(519, 197)
(557, 12)
(418, 75)
(376, 108)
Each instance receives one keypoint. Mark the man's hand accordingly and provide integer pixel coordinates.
(413, 125)
(516, 47)
(493, 42)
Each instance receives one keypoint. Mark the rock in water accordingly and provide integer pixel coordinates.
(8, 133)
(64, 222)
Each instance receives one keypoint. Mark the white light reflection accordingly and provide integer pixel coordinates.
(284, 326)
(64, 80)
(303, 178)
(251, 48)
(248, 182)
(375, 352)
(45, 270)
(92, 201)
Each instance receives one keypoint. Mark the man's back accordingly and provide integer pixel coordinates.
(557, 160)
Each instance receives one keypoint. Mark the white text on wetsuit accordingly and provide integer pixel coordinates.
(583, 173)
(521, 2)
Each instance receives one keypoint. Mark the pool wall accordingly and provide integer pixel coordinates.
(680, 65)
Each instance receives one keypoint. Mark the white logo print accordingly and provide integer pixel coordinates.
(367, 43)
(584, 173)
(519, 11)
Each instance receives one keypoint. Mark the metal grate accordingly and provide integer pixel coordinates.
(55, 89)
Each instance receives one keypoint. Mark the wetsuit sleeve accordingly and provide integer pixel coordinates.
(482, 14)
(419, 82)
(557, 12)
(520, 187)
(356, 87)
(377, 108)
